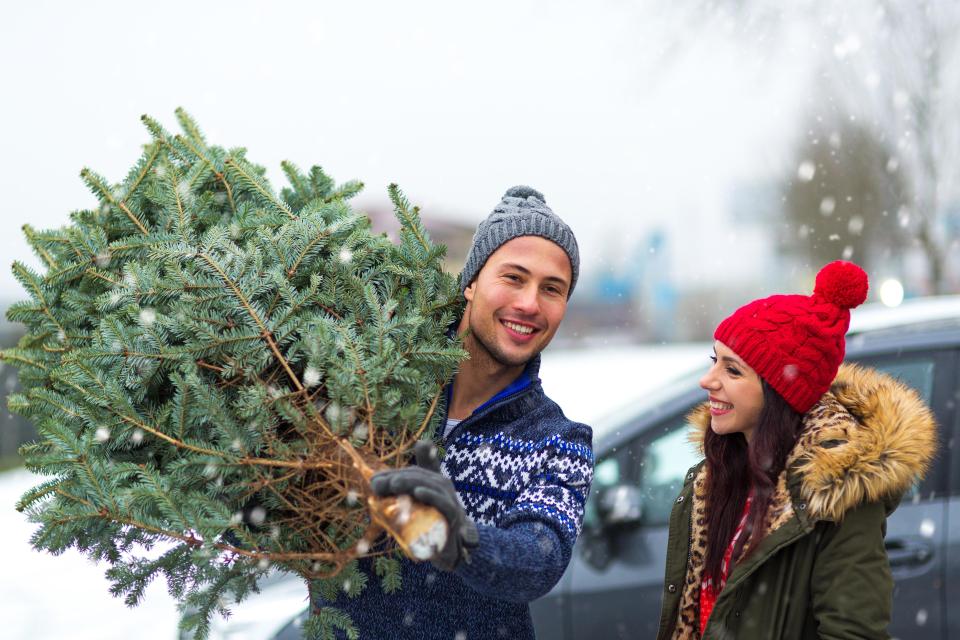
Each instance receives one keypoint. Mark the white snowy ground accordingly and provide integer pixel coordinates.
(43, 597)
(67, 597)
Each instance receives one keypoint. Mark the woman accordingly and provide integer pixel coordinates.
(778, 533)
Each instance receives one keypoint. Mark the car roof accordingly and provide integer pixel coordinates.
(913, 312)
(922, 324)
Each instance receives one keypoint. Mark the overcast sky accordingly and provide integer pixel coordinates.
(626, 115)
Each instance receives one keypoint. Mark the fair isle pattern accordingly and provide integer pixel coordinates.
(500, 478)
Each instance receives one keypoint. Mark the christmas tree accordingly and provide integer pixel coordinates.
(216, 370)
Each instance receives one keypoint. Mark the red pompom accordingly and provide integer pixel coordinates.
(842, 283)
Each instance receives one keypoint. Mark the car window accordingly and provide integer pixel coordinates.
(664, 462)
(917, 371)
(609, 471)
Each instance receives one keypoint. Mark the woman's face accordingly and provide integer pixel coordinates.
(734, 391)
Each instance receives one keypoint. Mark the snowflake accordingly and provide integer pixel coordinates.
(147, 317)
(102, 259)
(137, 436)
(102, 434)
(311, 377)
(828, 205)
(257, 516)
(183, 190)
(806, 171)
(345, 255)
(360, 432)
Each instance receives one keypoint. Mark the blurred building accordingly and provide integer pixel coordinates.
(457, 236)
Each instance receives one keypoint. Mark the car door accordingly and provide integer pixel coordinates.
(951, 455)
(616, 575)
(917, 532)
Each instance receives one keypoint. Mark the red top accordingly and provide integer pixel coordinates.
(708, 591)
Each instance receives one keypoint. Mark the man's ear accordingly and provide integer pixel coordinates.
(469, 291)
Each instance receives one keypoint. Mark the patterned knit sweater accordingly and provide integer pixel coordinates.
(522, 471)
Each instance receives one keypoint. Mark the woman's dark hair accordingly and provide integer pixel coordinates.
(733, 467)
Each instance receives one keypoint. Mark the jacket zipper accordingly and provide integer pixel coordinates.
(476, 416)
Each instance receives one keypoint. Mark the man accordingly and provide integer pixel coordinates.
(516, 471)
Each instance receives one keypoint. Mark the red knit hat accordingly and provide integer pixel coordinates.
(796, 343)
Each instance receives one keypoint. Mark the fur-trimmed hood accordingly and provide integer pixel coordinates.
(867, 439)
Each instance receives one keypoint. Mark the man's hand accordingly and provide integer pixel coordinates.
(425, 483)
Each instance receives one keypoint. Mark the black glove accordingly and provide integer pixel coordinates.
(426, 484)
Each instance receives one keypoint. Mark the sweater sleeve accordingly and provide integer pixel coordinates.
(851, 584)
(522, 556)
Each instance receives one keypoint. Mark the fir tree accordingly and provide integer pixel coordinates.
(215, 371)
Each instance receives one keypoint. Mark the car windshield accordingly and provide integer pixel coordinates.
(647, 403)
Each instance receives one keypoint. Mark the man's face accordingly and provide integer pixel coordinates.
(516, 302)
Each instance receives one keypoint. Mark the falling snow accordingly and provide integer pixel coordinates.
(257, 516)
(311, 377)
(806, 171)
(102, 434)
(137, 436)
(147, 317)
(333, 413)
(183, 190)
(855, 225)
(102, 259)
(828, 205)
(360, 432)
(345, 255)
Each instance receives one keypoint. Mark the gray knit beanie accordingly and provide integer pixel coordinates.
(522, 212)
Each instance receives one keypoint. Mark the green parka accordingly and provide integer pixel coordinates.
(821, 571)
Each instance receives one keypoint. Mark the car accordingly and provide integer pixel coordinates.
(613, 585)
(637, 399)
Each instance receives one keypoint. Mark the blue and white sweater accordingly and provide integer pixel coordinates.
(523, 472)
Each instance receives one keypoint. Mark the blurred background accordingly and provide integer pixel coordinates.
(704, 152)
